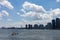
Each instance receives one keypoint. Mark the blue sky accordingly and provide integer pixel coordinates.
(21, 12)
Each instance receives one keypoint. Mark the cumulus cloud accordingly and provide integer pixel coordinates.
(37, 18)
(57, 0)
(6, 3)
(32, 7)
(34, 11)
(23, 10)
(38, 14)
(18, 13)
(4, 13)
(55, 12)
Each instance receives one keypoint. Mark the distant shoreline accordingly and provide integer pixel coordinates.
(30, 29)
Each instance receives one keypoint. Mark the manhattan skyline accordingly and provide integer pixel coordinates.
(21, 12)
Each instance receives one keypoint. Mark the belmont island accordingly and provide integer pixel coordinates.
(54, 24)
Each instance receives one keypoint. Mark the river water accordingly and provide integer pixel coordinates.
(29, 34)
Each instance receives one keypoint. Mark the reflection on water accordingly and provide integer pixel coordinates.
(14, 35)
(5, 34)
(14, 38)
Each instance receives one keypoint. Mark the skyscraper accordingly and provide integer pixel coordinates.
(48, 26)
(57, 23)
(29, 26)
(41, 26)
(36, 26)
(26, 26)
(53, 24)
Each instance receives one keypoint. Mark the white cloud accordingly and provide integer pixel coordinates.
(38, 13)
(31, 14)
(55, 12)
(4, 13)
(23, 10)
(6, 3)
(35, 12)
(33, 7)
(57, 0)
(44, 18)
(18, 13)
